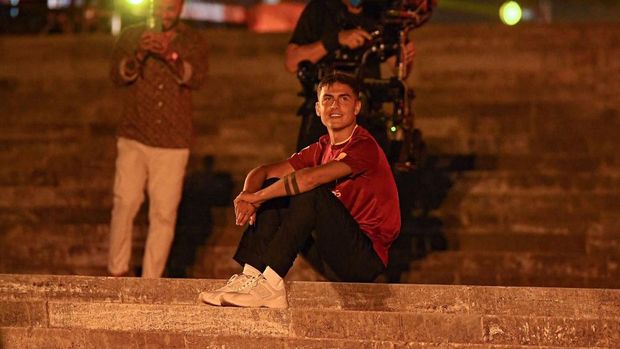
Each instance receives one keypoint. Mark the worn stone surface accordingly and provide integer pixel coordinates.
(82, 312)
(386, 326)
(149, 317)
(515, 269)
(23, 313)
(432, 299)
(34, 287)
(561, 332)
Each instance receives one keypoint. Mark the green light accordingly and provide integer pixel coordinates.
(393, 128)
(135, 2)
(510, 13)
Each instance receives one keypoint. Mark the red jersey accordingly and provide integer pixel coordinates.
(369, 192)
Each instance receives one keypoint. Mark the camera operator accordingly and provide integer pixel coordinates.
(326, 28)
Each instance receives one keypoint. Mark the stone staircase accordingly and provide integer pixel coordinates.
(41, 311)
(532, 106)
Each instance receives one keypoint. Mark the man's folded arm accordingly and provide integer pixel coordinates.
(301, 181)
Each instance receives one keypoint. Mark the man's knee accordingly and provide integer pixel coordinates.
(128, 201)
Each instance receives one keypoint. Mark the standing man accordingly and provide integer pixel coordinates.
(156, 72)
(325, 28)
(335, 202)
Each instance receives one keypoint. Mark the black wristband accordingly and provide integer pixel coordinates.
(330, 41)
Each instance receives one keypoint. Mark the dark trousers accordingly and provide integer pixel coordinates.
(318, 226)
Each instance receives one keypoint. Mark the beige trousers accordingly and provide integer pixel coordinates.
(161, 171)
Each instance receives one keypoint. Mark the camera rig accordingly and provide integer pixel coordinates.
(388, 100)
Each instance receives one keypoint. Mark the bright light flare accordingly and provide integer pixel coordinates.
(135, 2)
(510, 13)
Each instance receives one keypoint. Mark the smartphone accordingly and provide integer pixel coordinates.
(153, 21)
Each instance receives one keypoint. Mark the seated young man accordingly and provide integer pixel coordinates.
(335, 202)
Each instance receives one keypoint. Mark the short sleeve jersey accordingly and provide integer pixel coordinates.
(369, 193)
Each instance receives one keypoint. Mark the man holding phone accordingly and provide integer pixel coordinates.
(156, 68)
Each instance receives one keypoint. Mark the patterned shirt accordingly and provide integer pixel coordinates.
(157, 98)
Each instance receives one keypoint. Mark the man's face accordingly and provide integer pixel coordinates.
(337, 106)
(169, 12)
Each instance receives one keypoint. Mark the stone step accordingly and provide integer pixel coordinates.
(210, 336)
(522, 239)
(566, 302)
(470, 190)
(352, 314)
(73, 245)
(528, 209)
(549, 163)
(525, 259)
(500, 268)
(498, 182)
(100, 175)
(515, 268)
(284, 132)
(44, 169)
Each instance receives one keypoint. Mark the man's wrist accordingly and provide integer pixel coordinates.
(330, 41)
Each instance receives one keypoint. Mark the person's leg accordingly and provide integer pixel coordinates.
(348, 252)
(342, 245)
(320, 217)
(165, 185)
(129, 181)
(252, 245)
(257, 237)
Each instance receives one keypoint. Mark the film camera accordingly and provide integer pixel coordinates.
(387, 100)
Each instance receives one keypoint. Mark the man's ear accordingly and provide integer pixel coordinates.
(316, 109)
(358, 107)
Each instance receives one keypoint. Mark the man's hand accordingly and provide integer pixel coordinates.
(245, 212)
(245, 208)
(353, 38)
(155, 43)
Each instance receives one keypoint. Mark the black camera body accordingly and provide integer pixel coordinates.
(396, 17)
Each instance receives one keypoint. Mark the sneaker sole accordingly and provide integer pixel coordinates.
(211, 301)
(271, 304)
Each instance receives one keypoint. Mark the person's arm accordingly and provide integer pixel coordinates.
(352, 38)
(127, 58)
(245, 211)
(317, 33)
(290, 183)
(300, 181)
(298, 53)
(186, 57)
(257, 176)
(191, 60)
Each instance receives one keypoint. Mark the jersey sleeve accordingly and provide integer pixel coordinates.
(307, 157)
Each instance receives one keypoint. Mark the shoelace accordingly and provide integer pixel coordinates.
(251, 282)
(231, 281)
(233, 278)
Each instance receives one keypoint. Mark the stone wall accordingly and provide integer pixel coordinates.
(535, 107)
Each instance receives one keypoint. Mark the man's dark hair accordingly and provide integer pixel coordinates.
(342, 78)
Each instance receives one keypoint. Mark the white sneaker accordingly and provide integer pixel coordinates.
(236, 283)
(262, 294)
